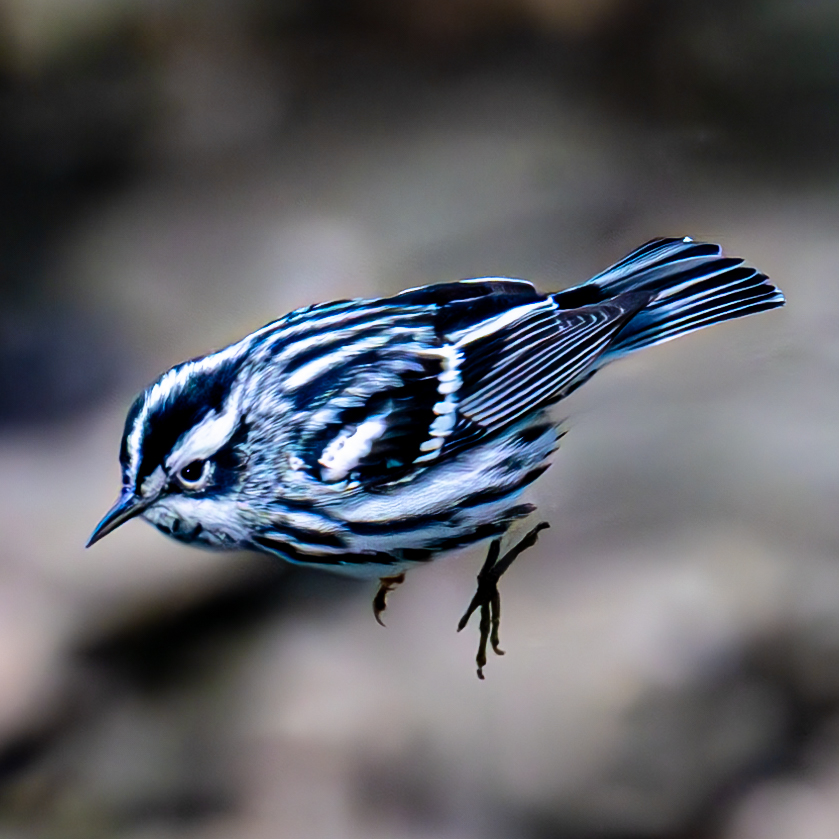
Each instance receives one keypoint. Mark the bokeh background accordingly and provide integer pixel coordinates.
(173, 174)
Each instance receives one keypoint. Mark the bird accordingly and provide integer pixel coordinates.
(369, 436)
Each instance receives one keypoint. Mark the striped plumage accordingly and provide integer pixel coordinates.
(368, 435)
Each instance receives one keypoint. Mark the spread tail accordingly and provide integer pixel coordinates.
(691, 285)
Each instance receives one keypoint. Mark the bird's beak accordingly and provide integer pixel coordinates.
(128, 505)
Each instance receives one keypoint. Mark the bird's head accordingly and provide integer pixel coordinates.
(182, 454)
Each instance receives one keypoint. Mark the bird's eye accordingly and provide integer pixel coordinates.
(192, 473)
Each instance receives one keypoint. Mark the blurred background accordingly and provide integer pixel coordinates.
(175, 173)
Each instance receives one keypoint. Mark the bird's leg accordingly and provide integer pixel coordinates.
(386, 585)
(487, 596)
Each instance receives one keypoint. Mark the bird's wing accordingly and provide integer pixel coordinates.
(517, 362)
(479, 356)
(364, 392)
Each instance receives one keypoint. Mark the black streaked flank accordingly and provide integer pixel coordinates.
(484, 531)
(290, 550)
(531, 433)
(403, 525)
(304, 536)
(492, 496)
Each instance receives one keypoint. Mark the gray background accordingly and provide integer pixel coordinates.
(174, 174)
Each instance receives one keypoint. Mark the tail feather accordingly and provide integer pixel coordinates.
(692, 285)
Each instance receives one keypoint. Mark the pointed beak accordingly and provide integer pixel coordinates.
(128, 505)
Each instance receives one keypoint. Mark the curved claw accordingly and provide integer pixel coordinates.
(386, 585)
(487, 597)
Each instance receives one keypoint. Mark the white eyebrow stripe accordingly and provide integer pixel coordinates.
(173, 380)
(205, 439)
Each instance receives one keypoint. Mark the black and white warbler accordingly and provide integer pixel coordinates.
(366, 436)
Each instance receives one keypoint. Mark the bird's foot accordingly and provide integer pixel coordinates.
(487, 596)
(386, 585)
